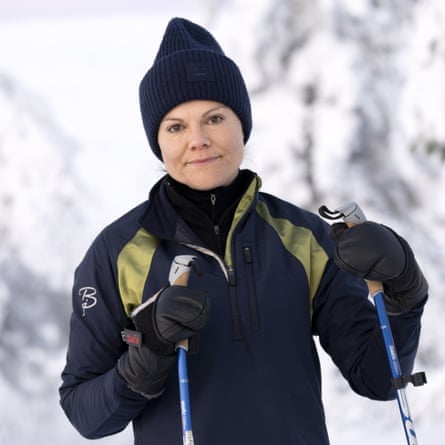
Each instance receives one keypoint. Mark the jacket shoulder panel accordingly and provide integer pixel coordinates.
(133, 266)
(129, 248)
(300, 241)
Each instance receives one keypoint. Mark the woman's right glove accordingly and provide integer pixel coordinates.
(375, 252)
(173, 314)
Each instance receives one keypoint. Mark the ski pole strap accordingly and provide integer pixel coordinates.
(417, 379)
(131, 337)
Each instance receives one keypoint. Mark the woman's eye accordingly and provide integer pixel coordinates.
(216, 119)
(174, 128)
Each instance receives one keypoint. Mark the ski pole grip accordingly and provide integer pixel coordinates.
(179, 276)
(352, 215)
(373, 286)
(182, 280)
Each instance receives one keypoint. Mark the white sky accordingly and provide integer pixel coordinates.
(11, 10)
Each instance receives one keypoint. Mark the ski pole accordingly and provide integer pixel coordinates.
(178, 276)
(352, 215)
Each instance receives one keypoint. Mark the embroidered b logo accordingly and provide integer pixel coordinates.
(87, 295)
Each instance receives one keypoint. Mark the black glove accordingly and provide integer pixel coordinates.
(144, 371)
(174, 314)
(375, 252)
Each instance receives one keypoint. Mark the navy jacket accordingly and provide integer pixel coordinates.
(256, 378)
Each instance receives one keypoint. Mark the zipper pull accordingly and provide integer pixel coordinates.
(247, 254)
(213, 212)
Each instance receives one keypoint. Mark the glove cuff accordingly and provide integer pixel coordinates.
(410, 289)
(143, 371)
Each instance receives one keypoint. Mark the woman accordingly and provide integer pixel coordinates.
(266, 281)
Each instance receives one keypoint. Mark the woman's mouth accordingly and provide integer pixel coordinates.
(203, 161)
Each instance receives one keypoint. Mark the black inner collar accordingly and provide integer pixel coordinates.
(209, 213)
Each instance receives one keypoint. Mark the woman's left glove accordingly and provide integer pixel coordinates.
(375, 252)
(173, 314)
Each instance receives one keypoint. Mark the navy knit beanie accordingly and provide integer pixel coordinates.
(190, 65)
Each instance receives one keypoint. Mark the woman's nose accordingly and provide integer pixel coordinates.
(199, 137)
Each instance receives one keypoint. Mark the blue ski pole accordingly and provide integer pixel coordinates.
(352, 215)
(179, 275)
(187, 433)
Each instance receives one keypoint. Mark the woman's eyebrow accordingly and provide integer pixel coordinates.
(214, 109)
(171, 118)
(211, 110)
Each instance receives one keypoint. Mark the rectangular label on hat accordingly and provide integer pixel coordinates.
(199, 71)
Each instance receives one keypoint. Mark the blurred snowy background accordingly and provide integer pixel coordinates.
(349, 104)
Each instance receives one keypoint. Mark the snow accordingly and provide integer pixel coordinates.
(73, 157)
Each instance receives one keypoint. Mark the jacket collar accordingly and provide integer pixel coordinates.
(161, 219)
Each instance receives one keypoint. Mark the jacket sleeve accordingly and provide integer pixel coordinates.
(93, 395)
(348, 328)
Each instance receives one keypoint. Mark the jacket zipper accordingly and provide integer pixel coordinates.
(251, 289)
(234, 309)
(233, 300)
(229, 273)
(215, 226)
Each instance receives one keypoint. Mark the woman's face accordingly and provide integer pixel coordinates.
(201, 144)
